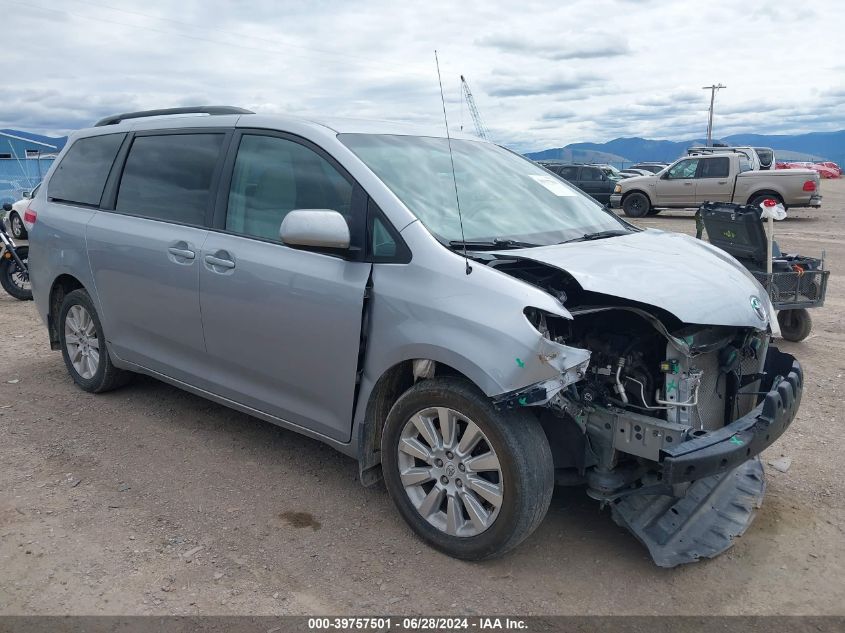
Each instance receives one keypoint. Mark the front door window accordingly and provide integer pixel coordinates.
(274, 176)
(683, 170)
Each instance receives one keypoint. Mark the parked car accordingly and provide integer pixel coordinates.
(14, 218)
(834, 167)
(826, 169)
(630, 172)
(609, 170)
(718, 177)
(652, 168)
(319, 276)
(590, 179)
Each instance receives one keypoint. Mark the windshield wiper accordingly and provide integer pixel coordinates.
(497, 243)
(600, 235)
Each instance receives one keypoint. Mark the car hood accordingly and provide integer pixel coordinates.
(689, 278)
(638, 179)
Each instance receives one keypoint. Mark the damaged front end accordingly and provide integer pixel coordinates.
(661, 420)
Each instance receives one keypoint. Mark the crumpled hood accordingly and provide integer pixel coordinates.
(692, 279)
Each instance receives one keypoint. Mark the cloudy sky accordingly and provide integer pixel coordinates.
(544, 74)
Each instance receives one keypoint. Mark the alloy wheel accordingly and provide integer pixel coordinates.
(83, 346)
(17, 226)
(450, 471)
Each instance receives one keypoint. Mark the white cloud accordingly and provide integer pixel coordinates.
(543, 74)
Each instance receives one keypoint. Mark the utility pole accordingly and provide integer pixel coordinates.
(712, 90)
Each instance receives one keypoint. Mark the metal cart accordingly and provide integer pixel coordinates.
(795, 283)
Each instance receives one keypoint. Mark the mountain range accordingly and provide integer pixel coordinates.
(812, 146)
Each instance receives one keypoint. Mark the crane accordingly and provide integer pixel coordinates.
(480, 128)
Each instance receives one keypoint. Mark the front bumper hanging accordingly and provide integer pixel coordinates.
(728, 481)
(726, 448)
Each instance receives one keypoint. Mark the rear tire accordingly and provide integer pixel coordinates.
(438, 495)
(795, 325)
(636, 205)
(16, 226)
(84, 347)
(14, 280)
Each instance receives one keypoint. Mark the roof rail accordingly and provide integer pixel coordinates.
(720, 149)
(211, 110)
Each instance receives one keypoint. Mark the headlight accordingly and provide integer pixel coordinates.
(617, 189)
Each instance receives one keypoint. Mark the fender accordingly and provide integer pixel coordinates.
(765, 192)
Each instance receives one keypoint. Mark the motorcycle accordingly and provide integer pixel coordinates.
(14, 273)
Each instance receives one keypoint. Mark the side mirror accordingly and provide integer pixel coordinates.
(317, 228)
(27, 195)
(7, 206)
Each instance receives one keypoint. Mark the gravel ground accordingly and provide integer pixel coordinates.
(149, 500)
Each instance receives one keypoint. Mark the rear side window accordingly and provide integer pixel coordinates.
(715, 167)
(82, 174)
(168, 177)
(568, 173)
(590, 173)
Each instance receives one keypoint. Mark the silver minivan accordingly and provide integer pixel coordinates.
(468, 326)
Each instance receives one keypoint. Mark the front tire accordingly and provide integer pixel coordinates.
(84, 346)
(636, 205)
(472, 481)
(795, 325)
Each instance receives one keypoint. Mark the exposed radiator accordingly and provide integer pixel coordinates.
(710, 412)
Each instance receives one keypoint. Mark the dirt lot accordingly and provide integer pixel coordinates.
(149, 500)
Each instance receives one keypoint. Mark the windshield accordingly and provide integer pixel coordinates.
(611, 171)
(502, 195)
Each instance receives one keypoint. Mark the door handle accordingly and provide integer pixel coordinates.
(181, 252)
(688, 184)
(723, 182)
(211, 260)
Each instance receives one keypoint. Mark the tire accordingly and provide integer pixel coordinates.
(654, 212)
(524, 476)
(104, 376)
(16, 226)
(636, 205)
(795, 325)
(13, 279)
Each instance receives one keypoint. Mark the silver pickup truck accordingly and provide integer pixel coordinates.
(692, 180)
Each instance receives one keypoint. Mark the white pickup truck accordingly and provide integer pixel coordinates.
(692, 180)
